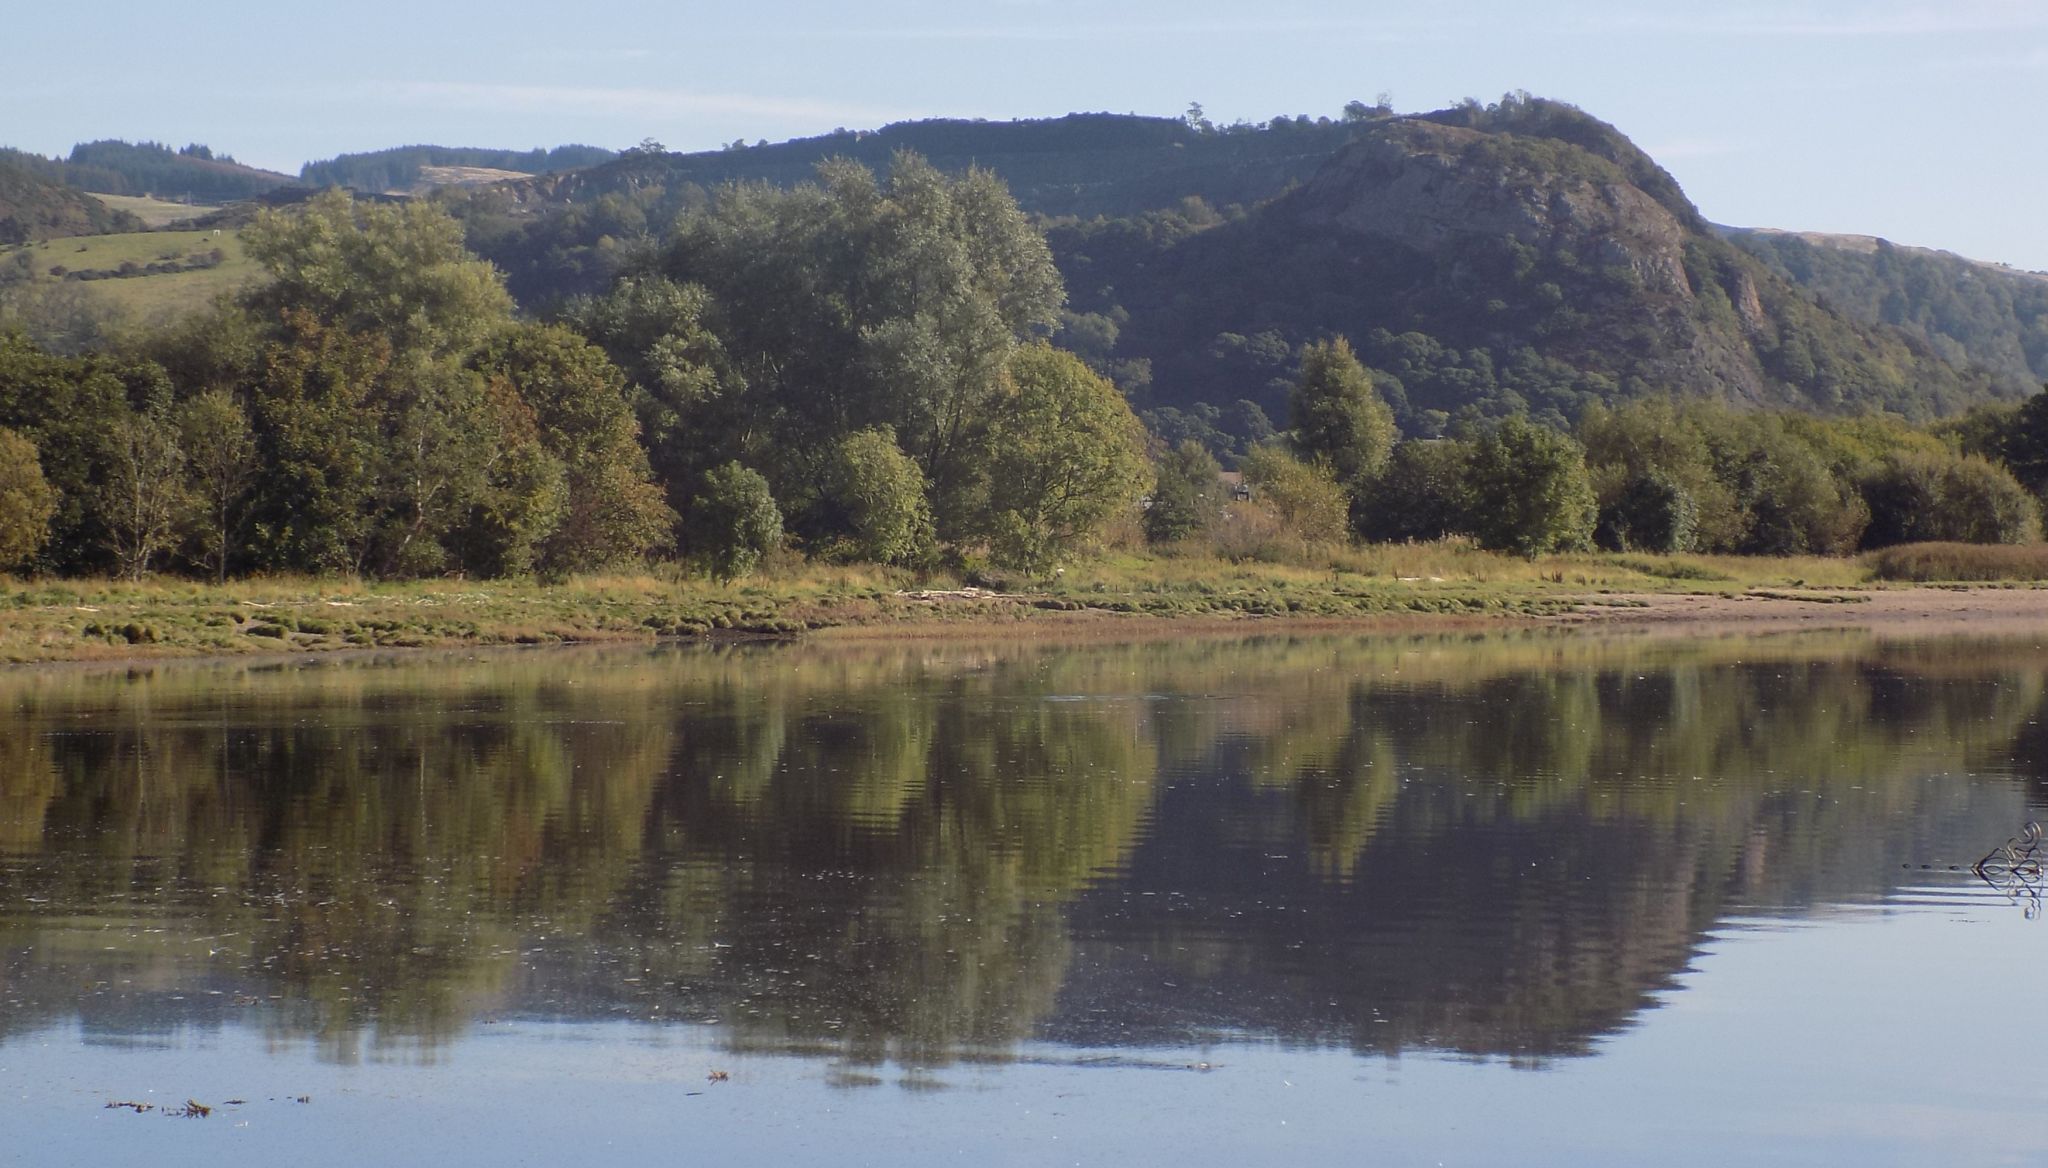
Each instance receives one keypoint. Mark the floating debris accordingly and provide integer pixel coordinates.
(718, 1076)
(137, 1108)
(193, 1109)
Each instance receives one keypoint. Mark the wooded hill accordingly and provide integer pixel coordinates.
(35, 206)
(1968, 310)
(189, 174)
(399, 168)
(1520, 256)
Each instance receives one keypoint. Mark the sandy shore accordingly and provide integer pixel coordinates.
(1903, 611)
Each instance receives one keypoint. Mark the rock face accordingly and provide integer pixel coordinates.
(1429, 186)
(1512, 257)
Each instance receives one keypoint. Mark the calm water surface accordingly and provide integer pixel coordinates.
(1507, 900)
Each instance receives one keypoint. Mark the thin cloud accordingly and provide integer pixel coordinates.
(613, 101)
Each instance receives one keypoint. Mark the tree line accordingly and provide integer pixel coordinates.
(857, 363)
(1654, 474)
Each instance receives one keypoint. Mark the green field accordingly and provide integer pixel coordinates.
(155, 212)
(148, 298)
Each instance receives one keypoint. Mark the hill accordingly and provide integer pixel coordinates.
(34, 205)
(1522, 256)
(1969, 311)
(1516, 256)
(404, 167)
(189, 174)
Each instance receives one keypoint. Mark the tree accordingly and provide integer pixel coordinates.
(396, 271)
(733, 521)
(66, 408)
(1064, 454)
(144, 498)
(613, 512)
(1654, 513)
(690, 399)
(220, 458)
(1530, 491)
(2024, 445)
(1187, 493)
(881, 492)
(1339, 418)
(853, 303)
(1423, 495)
(316, 507)
(26, 501)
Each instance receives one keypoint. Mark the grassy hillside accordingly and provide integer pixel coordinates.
(402, 167)
(156, 213)
(146, 296)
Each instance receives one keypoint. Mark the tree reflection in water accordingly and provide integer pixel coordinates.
(1497, 846)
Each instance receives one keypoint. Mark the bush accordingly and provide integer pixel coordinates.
(1310, 503)
(1422, 496)
(880, 494)
(1188, 495)
(733, 521)
(1653, 514)
(1529, 490)
(1917, 497)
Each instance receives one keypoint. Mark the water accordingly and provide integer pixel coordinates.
(1459, 900)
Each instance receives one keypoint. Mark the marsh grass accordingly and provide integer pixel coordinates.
(46, 620)
(1927, 563)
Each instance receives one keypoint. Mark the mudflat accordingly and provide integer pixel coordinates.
(1912, 611)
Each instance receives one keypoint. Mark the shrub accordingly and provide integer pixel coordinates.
(1959, 562)
(733, 521)
(1306, 497)
(880, 493)
(1530, 491)
(1187, 495)
(1422, 496)
(1654, 514)
(1916, 497)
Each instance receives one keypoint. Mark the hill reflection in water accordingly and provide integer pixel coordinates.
(1500, 847)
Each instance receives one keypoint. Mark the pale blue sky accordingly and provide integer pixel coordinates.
(1916, 121)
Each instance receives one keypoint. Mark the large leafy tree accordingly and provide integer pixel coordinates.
(1065, 454)
(1338, 416)
(398, 271)
(689, 397)
(613, 512)
(1529, 490)
(856, 302)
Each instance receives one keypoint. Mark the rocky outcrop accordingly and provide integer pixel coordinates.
(1429, 186)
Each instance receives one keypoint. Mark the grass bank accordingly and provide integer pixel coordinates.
(80, 620)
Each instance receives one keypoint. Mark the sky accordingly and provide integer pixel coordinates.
(1914, 121)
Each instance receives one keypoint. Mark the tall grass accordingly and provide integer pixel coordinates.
(1962, 563)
